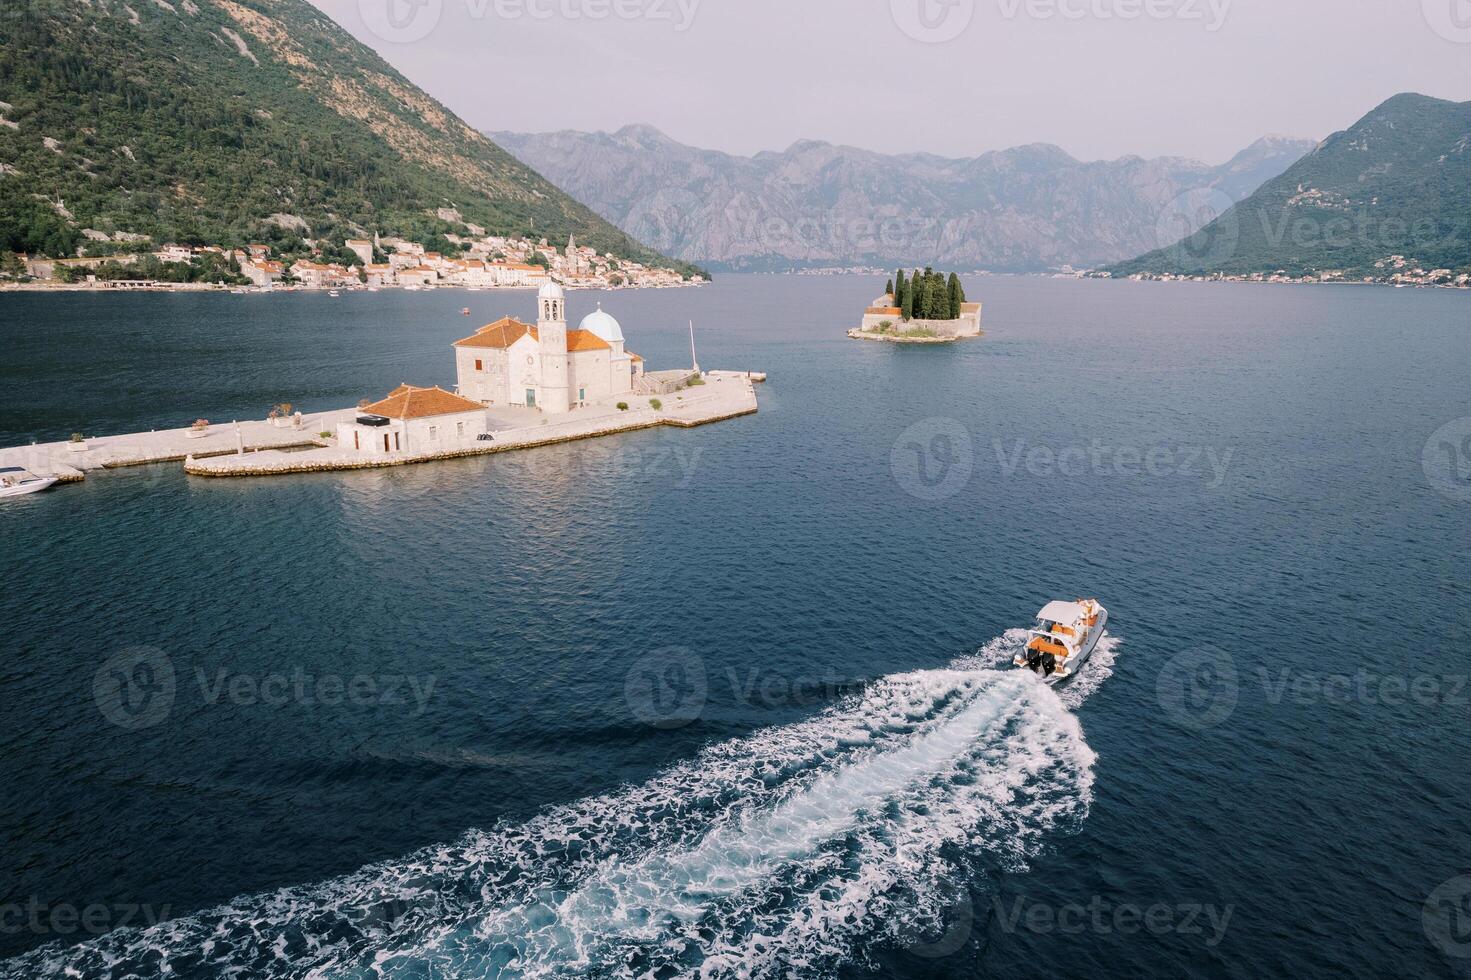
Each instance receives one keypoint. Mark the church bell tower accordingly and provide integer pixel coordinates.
(551, 328)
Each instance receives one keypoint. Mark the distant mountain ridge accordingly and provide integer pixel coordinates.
(230, 121)
(1396, 183)
(816, 204)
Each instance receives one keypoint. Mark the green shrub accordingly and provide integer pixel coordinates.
(623, 406)
(655, 404)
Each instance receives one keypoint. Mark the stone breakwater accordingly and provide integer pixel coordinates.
(273, 449)
(890, 338)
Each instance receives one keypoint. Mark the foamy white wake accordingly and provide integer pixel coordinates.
(794, 850)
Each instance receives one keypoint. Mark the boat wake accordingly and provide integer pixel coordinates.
(795, 850)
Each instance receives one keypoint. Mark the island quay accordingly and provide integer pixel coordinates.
(520, 386)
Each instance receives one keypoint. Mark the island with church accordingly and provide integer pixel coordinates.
(518, 385)
(926, 307)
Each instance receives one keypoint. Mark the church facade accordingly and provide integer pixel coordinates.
(547, 366)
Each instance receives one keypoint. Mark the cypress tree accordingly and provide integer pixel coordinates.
(906, 305)
(901, 290)
(889, 289)
(957, 296)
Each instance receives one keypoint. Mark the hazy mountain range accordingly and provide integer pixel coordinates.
(816, 204)
(1396, 183)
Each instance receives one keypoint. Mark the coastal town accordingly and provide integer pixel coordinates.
(481, 262)
(1395, 270)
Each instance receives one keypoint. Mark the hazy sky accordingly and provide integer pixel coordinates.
(1101, 78)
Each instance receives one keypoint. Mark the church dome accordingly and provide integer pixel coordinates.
(551, 291)
(603, 325)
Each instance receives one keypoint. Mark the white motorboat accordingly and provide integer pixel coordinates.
(1064, 639)
(15, 481)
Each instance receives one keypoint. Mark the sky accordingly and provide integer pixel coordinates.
(1100, 78)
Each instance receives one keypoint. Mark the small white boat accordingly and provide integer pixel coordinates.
(333, 293)
(15, 481)
(1065, 637)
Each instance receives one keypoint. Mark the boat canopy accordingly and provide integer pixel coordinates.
(1066, 613)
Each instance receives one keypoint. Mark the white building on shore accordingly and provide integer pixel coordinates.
(415, 420)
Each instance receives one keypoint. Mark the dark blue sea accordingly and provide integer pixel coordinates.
(734, 701)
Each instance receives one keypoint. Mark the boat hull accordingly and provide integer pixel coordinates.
(1089, 645)
(30, 486)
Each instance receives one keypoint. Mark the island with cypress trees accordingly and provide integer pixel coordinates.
(924, 307)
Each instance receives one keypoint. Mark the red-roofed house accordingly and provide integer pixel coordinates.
(415, 420)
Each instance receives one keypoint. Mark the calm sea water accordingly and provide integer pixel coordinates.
(728, 696)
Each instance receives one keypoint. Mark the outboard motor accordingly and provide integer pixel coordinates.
(1034, 660)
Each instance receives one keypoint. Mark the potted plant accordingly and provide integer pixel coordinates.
(199, 429)
(78, 443)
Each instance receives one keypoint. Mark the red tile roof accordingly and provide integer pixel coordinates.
(408, 402)
(585, 340)
(500, 334)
